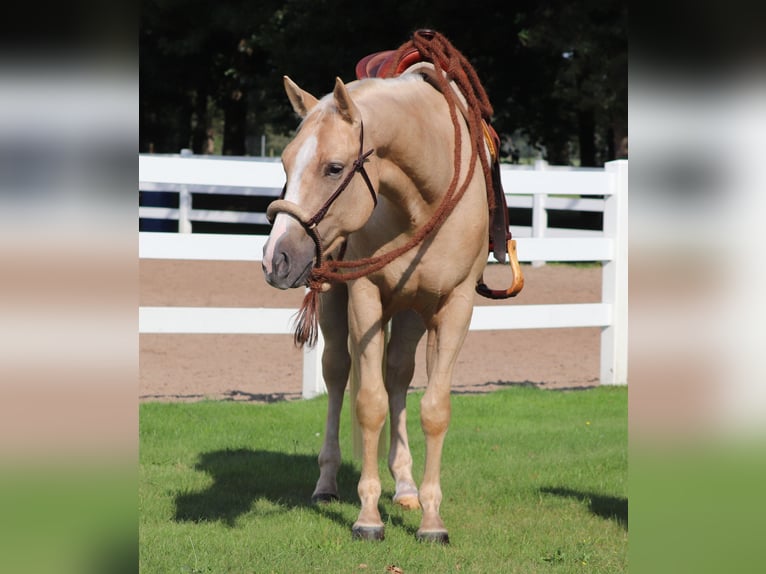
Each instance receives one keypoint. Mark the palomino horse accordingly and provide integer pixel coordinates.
(399, 137)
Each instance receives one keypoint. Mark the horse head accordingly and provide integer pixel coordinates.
(323, 202)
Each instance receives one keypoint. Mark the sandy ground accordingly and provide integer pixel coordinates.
(266, 368)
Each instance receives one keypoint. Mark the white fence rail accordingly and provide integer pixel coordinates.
(609, 247)
(260, 177)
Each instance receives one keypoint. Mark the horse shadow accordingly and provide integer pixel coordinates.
(243, 476)
(607, 507)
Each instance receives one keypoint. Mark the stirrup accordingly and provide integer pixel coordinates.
(517, 278)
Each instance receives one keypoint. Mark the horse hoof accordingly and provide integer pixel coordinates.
(438, 536)
(408, 502)
(323, 498)
(367, 533)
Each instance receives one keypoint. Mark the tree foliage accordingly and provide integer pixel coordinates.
(556, 71)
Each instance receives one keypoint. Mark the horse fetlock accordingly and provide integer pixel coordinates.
(326, 485)
(406, 487)
(369, 491)
(369, 525)
(328, 472)
(407, 501)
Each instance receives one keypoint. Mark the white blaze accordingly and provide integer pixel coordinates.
(282, 222)
(302, 160)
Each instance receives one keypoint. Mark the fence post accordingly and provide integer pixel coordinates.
(614, 286)
(539, 213)
(313, 381)
(184, 207)
(184, 202)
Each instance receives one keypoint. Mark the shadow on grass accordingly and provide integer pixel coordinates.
(609, 507)
(242, 476)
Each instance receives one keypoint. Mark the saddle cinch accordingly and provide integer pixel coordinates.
(501, 242)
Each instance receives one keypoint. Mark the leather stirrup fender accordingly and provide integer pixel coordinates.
(517, 278)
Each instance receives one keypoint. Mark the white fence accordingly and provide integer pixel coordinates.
(538, 187)
(260, 177)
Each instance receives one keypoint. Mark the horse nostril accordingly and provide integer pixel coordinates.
(281, 265)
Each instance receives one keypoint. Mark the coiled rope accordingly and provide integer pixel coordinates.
(451, 67)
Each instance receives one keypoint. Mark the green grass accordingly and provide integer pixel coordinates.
(533, 481)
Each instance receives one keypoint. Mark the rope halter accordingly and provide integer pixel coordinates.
(310, 223)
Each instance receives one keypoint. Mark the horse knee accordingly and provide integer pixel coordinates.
(435, 414)
(336, 364)
(399, 371)
(371, 408)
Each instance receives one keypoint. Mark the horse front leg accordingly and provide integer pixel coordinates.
(367, 345)
(446, 333)
(406, 330)
(336, 362)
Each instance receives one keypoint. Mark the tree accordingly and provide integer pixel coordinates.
(191, 53)
(554, 70)
(581, 50)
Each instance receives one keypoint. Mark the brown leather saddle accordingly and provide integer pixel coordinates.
(501, 242)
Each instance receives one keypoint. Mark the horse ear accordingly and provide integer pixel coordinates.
(346, 106)
(302, 101)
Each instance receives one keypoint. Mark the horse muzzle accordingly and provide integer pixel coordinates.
(288, 256)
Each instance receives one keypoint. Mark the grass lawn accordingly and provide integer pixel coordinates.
(533, 481)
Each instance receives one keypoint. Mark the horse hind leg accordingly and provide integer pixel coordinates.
(336, 363)
(407, 328)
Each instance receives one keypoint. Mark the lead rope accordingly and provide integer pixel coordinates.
(451, 66)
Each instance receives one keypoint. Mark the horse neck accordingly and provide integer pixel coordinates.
(413, 137)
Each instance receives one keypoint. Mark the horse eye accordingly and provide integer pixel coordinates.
(333, 169)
